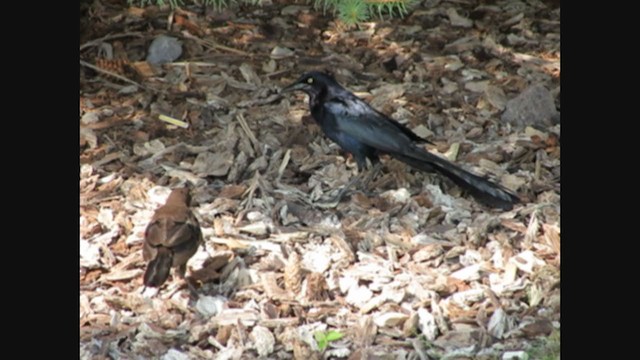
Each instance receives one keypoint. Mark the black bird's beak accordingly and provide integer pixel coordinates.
(293, 87)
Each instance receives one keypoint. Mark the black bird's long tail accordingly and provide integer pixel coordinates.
(158, 269)
(482, 189)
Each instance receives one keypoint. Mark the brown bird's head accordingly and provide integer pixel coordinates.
(179, 196)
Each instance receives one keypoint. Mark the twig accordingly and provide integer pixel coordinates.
(538, 166)
(279, 72)
(96, 200)
(251, 190)
(249, 133)
(283, 165)
(213, 45)
(107, 159)
(108, 37)
(119, 77)
(192, 63)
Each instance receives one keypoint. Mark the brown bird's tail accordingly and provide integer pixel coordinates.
(158, 268)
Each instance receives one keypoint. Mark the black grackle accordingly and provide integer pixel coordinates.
(366, 133)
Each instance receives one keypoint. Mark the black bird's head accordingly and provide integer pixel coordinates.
(313, 83)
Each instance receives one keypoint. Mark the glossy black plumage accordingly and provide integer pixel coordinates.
(366, 133)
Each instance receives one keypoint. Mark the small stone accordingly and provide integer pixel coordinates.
(515, 355)
(534, 106)
(164, 49)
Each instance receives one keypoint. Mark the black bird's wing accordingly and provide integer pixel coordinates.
(410, 134)
(361, 122)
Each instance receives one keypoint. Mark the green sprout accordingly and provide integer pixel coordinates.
(350, 12)
(389, 7)
(324, 338)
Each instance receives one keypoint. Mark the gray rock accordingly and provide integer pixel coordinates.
(534, 106)
(164, 49)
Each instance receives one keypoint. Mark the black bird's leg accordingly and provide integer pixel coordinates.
(336, 200)
(360, 181)
(372, 174)
(345, 189)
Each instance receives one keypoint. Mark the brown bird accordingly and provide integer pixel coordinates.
(171, 238)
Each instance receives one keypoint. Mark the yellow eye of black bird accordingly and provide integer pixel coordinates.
(310, 80)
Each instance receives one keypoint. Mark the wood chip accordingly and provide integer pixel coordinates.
(293, 274)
